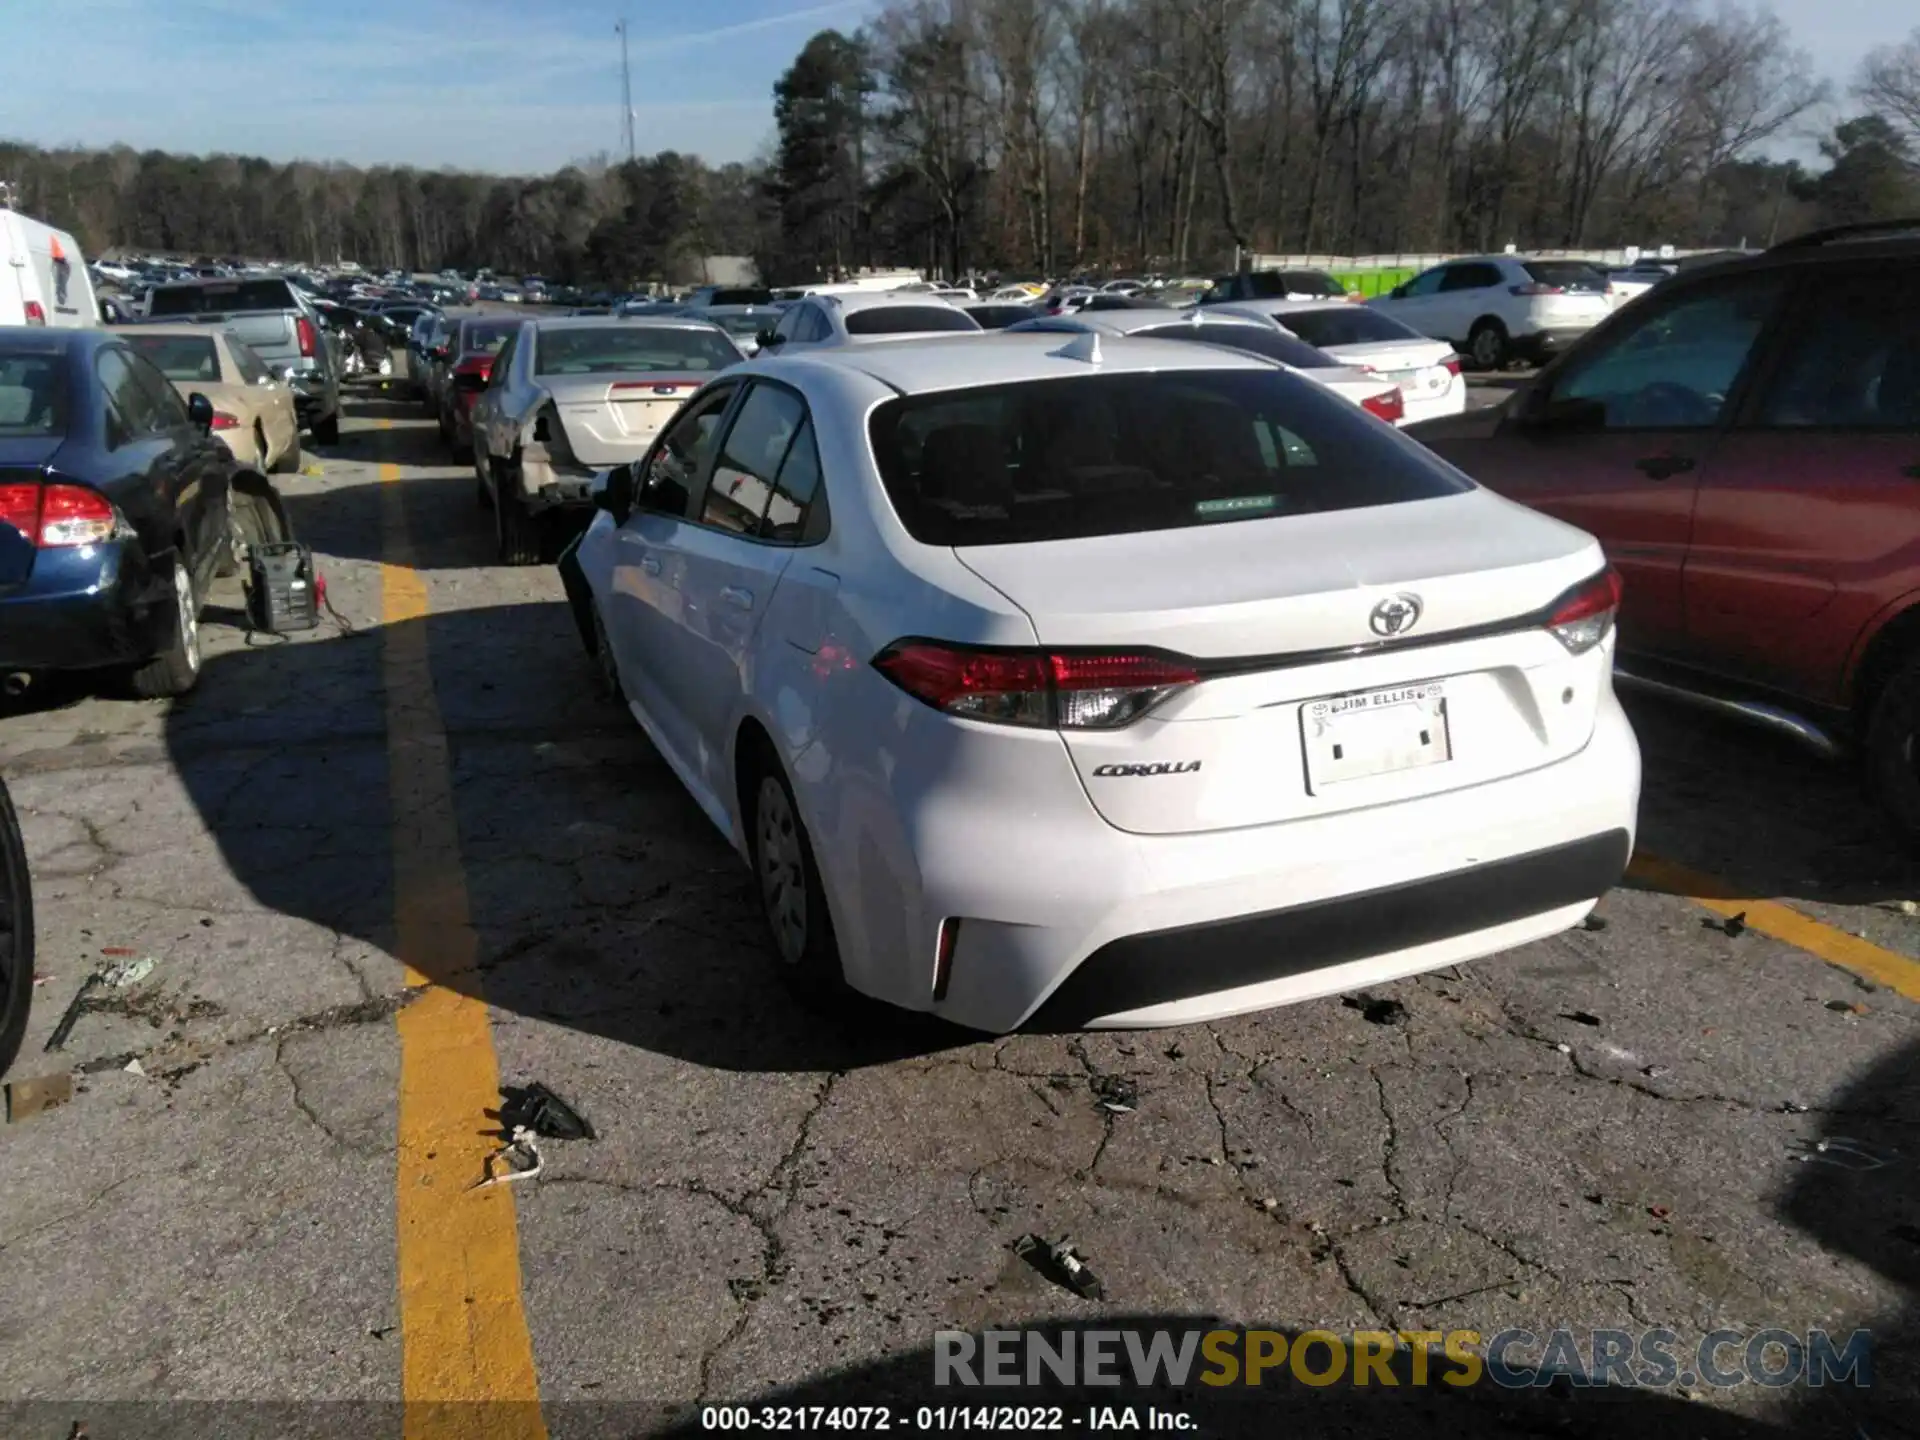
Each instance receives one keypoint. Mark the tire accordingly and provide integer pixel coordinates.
(176, 669)
(787, 883)
(327, 431)
(16, 934)
(290, 463)
(516, 533)
(1892, 751)
(1488, 345)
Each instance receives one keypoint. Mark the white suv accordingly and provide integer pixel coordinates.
(1500, 308)
(1130, 684)
(822, 321)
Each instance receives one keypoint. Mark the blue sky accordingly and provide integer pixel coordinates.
(503, 85)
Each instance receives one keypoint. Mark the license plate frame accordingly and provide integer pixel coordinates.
(1368, 733)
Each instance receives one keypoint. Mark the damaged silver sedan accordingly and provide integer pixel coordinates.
(570, 397)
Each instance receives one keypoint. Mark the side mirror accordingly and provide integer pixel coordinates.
(613, 492)
(200, 412)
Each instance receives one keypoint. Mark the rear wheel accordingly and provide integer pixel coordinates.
(792, 901)
(16, 934)
(289, 463)
(327, 431)
(1488, 345)
(1892, 756)
(516, 533)
(176, 669)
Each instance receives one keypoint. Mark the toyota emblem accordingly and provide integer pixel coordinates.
(1395, 615)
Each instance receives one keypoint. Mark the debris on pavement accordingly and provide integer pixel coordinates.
(1594, 922)
(1117, 1094)
(122, 976)
(134, 1067)
(1381, 1011)
(1580, 1017)
(1733, 926)
(536, 1108)
(1060, 1263)
(523, 1158)
(1840, 1152)
(1846, 1007)
(1659, 1212)
(41, 1092)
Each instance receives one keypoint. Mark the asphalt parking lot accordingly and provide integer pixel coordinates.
(388, 867)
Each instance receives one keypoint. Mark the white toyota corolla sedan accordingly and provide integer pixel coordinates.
(1092, 681)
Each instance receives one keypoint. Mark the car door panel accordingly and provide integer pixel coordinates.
(1804, 529)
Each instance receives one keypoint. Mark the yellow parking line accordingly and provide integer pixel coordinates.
(1897, 972)
(467, 1358)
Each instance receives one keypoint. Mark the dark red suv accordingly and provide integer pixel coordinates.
(1745, 441)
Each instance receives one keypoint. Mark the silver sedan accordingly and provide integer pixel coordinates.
(572, 396)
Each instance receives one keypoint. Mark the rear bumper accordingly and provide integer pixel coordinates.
(83, 609)
(1451, 401)
(1129, 930)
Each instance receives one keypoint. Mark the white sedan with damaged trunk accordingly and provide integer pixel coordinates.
(571, 397)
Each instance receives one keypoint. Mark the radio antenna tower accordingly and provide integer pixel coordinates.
(626, 91)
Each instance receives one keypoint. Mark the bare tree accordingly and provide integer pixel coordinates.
(1890, 83)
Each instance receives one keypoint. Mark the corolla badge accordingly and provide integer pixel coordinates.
(1396, 614)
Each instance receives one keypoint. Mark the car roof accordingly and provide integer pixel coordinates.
(959, 362)
(47, 339)
(1126, 322)
(619, 322)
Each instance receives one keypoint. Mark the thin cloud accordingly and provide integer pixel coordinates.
(673, 44)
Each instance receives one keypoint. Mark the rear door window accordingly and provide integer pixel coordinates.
(33, 395)
(168, 407)
(750, 458)
(133, 414)
(1566, 275)
(797, 512)
(1855, 360)
(1114, 454)
(1470, 277)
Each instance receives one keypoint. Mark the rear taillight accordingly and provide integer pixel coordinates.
(1035, 688)
(1583, 617)
(56, 517)
(36, 313)
(303, 332)
(1355, 298)
(224, 421)
(1535, 290)
(1391, 407)
(1451, 364)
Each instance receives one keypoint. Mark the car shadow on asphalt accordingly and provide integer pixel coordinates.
(1762, 814)
(600, 896)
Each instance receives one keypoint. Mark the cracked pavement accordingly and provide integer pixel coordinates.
(1612, 1128)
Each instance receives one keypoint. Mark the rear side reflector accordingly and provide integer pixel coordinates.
(1035, 688)
(57, 517)
(1583, 617)
(1451, 364)
(1390, 407)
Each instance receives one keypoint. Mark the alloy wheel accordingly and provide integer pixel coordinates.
(189, 615)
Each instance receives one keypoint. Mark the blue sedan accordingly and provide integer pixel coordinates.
(114, 513)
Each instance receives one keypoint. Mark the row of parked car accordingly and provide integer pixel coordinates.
(1308, 707)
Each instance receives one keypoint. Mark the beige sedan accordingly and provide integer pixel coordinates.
(252, 411)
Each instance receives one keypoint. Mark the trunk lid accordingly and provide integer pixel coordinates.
(1281, 616)
(612, 421)
(1418, 367)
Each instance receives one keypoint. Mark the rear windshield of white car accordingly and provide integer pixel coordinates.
(605, 349)
(1278, 284)
(1120, 454)
(1253, 339)
(1566, 274)
(33, 395)
(180, 357)
(1347, 325)
(908, 320)
(221, 297)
